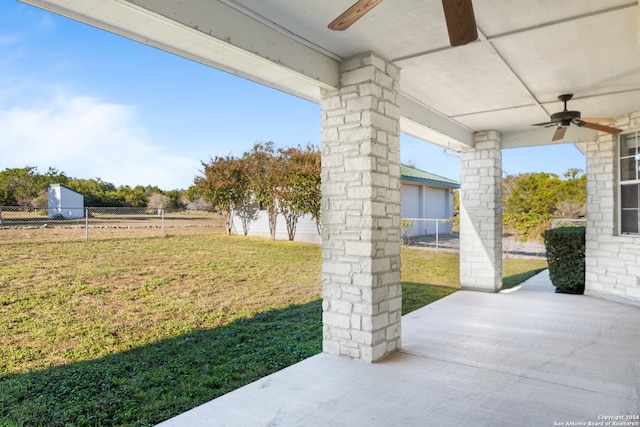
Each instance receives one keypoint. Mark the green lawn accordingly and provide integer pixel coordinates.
(134, 331)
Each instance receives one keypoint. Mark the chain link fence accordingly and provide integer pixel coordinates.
(430, 233)
(19, 223)
(442, 234)
(568, 222)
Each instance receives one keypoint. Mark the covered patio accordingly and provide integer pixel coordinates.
(478, 357)
(526, 357)
(468, 75)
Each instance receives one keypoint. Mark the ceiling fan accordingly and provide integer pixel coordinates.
(563, 119)
(461, 21)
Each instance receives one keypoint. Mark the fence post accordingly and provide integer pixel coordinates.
(437, 234)
(86, 224)
(162, 211)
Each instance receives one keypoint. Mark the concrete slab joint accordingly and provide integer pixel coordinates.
(361, 210)
(481, 214)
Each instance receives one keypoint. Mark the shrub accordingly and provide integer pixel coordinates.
(565, 256)
(529, 226)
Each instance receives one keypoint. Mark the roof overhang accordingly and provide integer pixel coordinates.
(527, 54)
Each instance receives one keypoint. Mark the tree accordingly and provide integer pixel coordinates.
(534, 193)
(573, 173)
(312, 174)
(159, 201)
(176, 198)
(197, 203)
(223, 185)
(134, 197)
(264, 180)
(245, 206)
(247, 209)
(97, 192)
(573, 196)
(18, 186)
(299, 189)
(531, 201)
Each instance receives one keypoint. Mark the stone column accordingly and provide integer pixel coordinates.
(481, 214)
(362, 298)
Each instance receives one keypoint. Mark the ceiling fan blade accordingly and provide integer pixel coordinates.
(545, 124)
(597, 120)
(352, 14)
(559, 133)
(461, 21)
(598, 127)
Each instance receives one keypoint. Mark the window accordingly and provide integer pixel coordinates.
(630, 183)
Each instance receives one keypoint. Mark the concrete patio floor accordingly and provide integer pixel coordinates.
(524, 357)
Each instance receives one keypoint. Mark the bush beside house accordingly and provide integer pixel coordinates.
(566, 258)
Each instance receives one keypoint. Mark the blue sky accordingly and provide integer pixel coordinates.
(96, 105)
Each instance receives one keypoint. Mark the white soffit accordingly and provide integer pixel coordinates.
(443, 81)
(586, 56)
(498, 18)
(542, 136)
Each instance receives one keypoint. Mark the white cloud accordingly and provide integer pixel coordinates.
(87, 138)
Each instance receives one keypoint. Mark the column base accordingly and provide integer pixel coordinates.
(480, 289)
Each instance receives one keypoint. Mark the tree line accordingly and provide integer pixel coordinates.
(282, 181)
(28, 187)
(531, 201)
(287, 181)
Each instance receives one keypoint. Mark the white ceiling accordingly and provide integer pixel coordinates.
(528, 53)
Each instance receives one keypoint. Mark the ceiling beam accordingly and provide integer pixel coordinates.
(421, 122)
(542, 136)
(214, 34)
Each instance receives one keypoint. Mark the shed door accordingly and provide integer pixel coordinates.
(436, 203)
(410, 206)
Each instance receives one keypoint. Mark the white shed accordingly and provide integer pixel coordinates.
(64, 202)
(426, 196)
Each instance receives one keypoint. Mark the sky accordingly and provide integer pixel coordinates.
(96, 105)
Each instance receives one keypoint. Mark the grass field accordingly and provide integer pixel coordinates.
(133, 331)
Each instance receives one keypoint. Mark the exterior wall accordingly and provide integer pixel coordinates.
(306, 229)
(65, 202)
(362, 297)
(481, 214)
(425, 201)
(612, 260)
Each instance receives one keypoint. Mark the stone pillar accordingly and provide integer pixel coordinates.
(362, 298)
(481, 214)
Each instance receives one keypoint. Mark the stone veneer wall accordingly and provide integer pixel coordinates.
(481, 214)
(362, 301)
(612, 260)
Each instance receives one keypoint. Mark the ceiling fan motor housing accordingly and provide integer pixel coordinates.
(565, 115)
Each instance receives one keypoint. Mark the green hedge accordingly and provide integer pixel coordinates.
(565, 256)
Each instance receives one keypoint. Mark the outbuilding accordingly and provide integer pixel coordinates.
(427, 201)
(64, 203)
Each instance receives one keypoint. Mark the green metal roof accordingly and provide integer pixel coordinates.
(416, 175)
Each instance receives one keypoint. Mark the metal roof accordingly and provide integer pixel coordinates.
(416, 175)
